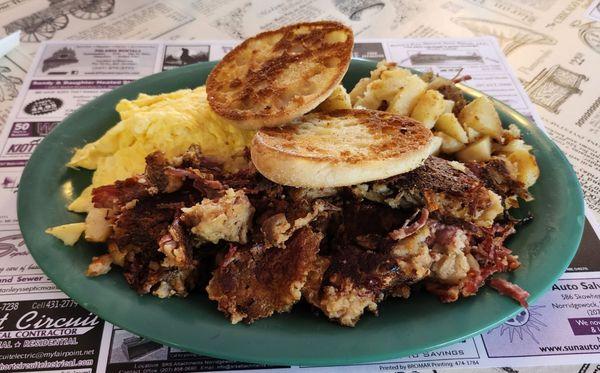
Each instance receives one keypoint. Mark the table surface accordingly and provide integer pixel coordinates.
(552, 45)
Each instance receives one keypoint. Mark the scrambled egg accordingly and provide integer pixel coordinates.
(169, 122)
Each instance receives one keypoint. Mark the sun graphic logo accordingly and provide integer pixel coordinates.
(519, 320)
(525, 324)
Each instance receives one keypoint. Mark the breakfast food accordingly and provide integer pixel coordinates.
(169, 122)
(398, 186)
(263, 246)
(279, 75)
(340, 148)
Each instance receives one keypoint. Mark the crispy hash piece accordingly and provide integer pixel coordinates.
(147, 236)
(261, 247)
(254, 282)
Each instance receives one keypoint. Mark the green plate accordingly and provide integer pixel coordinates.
(545, 247)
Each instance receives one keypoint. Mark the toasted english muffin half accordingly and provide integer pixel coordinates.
(341, 148)
(279, 75)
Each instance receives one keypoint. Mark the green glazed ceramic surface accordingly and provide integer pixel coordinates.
(545, 247)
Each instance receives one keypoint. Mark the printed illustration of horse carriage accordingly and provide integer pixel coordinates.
(42, 25)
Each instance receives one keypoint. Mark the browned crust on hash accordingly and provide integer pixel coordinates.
(439, 176)
(256, 282)
(269, 70)
(400, 135)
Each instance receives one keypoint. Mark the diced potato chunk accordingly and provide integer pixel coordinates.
(361, 87)
(480, 150)
(68, 233)
(97, 228)
(513, 132)
(515, 145)
(429, 107)
(338, 99)
(449, 106)
(450, 145)
(472, 134)
(99, 266)
(405, 100)
(481, 115)
(383, 89)
(494, 209)
(527, 168)
(448, 124)
(359, 90)
(436, 145)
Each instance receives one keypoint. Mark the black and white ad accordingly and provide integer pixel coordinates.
(48, 335)
(85, 60)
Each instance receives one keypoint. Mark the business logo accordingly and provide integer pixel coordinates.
(22, 148)
(524, 325)
(43, 106)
